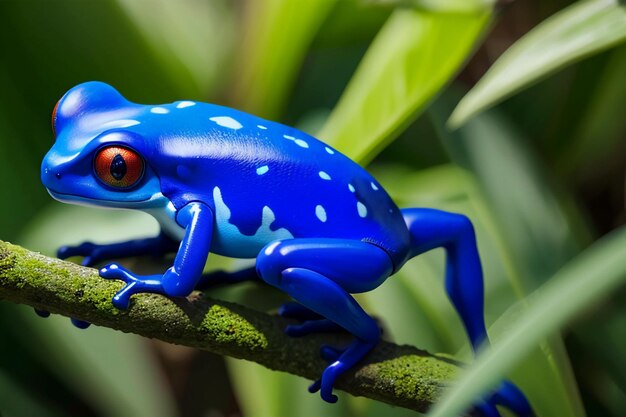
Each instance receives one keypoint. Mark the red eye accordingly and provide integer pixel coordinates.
(118, 167)
(54, 118)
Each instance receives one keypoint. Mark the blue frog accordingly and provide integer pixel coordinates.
(219, 180)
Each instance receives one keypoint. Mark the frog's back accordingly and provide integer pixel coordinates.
(266, 182)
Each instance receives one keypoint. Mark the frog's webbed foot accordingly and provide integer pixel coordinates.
(90, 252)
(93, 253)
(134, 284)
(509, 396)
(341, 361)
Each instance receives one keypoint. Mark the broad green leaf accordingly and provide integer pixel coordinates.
(530, 212)
(584, 281)
(276, 39)
(595, 135)
(410, 60)
(580, 30)
(189, 38)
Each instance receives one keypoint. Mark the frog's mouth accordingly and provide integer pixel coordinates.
(95, 202)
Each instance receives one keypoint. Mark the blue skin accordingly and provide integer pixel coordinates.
(223, 181)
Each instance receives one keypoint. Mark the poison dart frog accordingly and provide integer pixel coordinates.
(220, 180)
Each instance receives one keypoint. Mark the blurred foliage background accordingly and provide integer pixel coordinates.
(533, 154)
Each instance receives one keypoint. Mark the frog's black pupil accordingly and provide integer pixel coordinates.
(118, 167)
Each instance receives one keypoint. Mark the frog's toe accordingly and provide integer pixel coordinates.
(134, 284)
(114, 271)
(81, 324)
(312, 326)
(42, 313)
(486, 409)
(511, 397)
(121, 300)
(342, 361)
(328, 397)
(84, 249)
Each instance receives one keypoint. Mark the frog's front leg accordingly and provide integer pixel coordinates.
(182, 277)
(320, 274)
(94, 253)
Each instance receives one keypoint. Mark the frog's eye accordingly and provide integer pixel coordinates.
(54, 118)
(118, 167)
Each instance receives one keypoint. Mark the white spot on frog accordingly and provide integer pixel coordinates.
(330, 151)
(374, 187)
(302, 143)
(361, 209)
(229, 241)
(261, 127)
(119, 123)
(262, 170)
(298, 142)
(184, 104)
(226, 121)
(159, 110)
(324, 176)
(351, 188)
(320, 212)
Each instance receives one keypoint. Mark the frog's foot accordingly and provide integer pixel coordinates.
(81, 324)
(42, 313)
(93, 253)
(134, 284)
(343, 361)
(511, 397)
(90, 252)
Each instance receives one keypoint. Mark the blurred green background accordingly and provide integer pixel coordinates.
(533, 154)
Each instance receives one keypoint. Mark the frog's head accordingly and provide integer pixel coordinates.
(98, 158)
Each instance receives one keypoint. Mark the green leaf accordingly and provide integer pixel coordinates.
(582, 29)
(410, 60)
(448, 6)
(584, 281)
(276, 40)
(190, 39)
(534, 224)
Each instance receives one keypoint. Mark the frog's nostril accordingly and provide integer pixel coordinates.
(58, 175)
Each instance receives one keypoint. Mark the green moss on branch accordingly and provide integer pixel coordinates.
(399, 375)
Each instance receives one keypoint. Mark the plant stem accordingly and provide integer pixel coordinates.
(399, 375)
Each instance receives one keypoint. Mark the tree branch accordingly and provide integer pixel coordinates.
(399, 375)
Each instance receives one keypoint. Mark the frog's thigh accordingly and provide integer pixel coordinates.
(321, 273)
(354, 265)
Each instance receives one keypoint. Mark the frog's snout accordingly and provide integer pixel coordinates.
(50, 175)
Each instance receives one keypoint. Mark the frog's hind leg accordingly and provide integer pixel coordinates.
(320, 274)
(430, 229)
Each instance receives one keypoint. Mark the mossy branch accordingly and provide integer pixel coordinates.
(399, 375)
